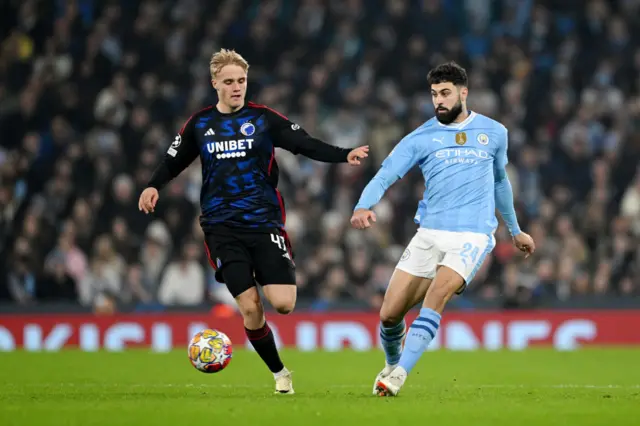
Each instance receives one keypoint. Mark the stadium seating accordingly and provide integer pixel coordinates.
(92, 94)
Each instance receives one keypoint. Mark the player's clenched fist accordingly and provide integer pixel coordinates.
(148, 200)
(358, 154)
(361, 218)
(524, 243)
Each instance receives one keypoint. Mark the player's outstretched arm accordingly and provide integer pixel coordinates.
(394, 167)
(295, 139)
(179, 156)
(503, 192)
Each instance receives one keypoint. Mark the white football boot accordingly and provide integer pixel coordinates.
(388, 368)
(284, 382)
(390, 385)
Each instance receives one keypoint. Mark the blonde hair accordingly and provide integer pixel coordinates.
(226, 57)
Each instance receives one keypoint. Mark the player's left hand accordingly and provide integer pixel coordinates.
(358, 154)
(361, 218)
(525, 244)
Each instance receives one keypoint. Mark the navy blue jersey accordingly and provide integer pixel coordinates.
(239, 168)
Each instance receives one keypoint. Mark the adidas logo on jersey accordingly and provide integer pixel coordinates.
(210, 132)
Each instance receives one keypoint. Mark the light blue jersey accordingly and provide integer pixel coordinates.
(463, 165)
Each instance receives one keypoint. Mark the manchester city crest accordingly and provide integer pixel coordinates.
(405, 255)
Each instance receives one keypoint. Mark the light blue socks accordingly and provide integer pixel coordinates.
(421, 333)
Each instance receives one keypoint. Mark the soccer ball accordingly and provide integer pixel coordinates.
(210, 351)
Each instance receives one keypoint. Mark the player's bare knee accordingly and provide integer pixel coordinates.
(400, 296)
(251, 311)
(250, 306)
(389, 316)
(281, 297)
(285, 305)
(285, 308)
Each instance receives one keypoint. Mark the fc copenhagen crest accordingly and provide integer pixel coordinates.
(247, 129)
(461, 138)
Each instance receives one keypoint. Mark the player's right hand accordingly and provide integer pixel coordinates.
(358, 154)
(148, 200)
(361, 217)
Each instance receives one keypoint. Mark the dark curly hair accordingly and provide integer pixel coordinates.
(448, 72)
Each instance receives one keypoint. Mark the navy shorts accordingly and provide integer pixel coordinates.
(243, 258)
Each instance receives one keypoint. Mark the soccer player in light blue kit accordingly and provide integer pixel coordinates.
(462, 156)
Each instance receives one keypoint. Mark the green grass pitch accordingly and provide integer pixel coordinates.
(534, 387)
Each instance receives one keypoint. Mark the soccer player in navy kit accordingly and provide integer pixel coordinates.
(243, 213)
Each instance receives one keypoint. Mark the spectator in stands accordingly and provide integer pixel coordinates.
(630, 207)
(154, 255)
(56, 284)
(183, 282)
(21, 275)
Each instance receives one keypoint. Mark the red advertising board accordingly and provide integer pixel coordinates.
(568, 330)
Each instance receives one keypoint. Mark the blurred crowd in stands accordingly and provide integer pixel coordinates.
(92, 93)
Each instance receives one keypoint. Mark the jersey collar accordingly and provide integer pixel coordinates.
(460, 125)
(230, 114)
